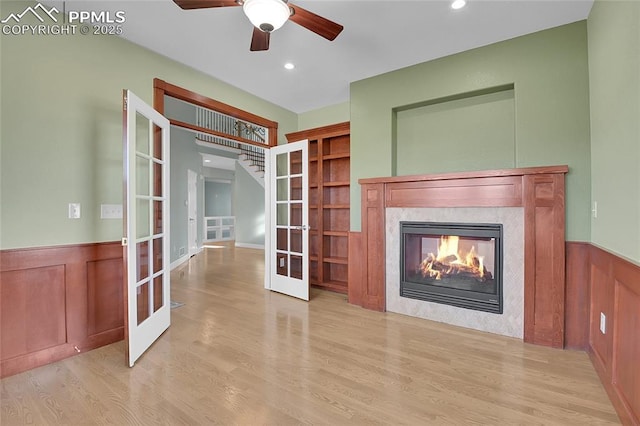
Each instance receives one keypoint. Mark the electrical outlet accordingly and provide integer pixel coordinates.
(595, 210)
(282, 262)
(603, 323)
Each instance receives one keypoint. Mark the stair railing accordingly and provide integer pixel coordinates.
(223, 123)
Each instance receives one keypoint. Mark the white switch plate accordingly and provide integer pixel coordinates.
(74, 210)
(603, 323)
(110, 211)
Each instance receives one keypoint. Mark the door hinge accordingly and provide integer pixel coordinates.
(125, 242)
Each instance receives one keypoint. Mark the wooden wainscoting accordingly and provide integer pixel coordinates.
(356, 265)
(615, 292)
(58, 301)
(600, 282)
(577, 295)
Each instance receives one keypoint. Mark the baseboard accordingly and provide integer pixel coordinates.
(179, 262)
(251, 246)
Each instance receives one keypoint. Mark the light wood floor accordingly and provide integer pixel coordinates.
(237, 354)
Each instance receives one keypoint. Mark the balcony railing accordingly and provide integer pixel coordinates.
(225, 124)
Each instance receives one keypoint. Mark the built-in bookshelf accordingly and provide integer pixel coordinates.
(329, 204)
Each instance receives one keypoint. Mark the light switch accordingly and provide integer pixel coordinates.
(74, 210)
(110, 211)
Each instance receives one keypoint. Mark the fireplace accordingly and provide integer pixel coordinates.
(458, 264)
(528, 202)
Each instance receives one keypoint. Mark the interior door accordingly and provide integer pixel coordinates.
(192, 210)
(289, 218)
(146, 225)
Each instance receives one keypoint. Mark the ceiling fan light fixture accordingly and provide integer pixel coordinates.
(268, 15)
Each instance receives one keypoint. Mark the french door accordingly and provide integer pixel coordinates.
(146, 225)
(288, 245)
(192, 212)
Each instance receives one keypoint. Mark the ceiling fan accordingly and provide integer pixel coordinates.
(269, 15)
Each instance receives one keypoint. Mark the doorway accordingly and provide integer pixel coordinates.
(192, 212)
(220, 132)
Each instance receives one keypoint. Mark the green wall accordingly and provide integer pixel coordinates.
(331, 114)
(61, 135)
(548, 71)
(443, 134)
(614, 74)
(60, 122)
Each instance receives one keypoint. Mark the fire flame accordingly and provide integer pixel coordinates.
(450, 260)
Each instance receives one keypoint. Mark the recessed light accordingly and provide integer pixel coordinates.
(207, 161)
(458, 4)
(289, 66)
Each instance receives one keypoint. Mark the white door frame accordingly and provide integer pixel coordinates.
(192, 213)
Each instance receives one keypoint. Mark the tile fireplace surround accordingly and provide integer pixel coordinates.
(510, 322)
(537, 192)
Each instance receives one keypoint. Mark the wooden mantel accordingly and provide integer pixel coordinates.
(540, 190)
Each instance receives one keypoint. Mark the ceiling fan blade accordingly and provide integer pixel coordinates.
(316, 23)
(205, 4)
(259, 40)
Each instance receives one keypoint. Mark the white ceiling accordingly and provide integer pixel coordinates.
(378, 36)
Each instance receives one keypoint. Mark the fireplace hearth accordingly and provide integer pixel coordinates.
(458, 264)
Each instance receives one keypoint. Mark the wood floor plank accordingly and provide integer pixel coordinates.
(238, 354)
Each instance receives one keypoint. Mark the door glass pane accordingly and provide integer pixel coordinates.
(282, 192)
(157, 293)
(281, 264)
(157, 179)
(142, 133)
(296, 214)
(142, 255)
(296, 240)
(296, 188)
(282, 243)
(157, 255)
(142, 217)
(142, 176)
(157, 142)
(157, 217)
(296, 267)
(281, 165)
(296, 162)
(283, 215)
(142, 302)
